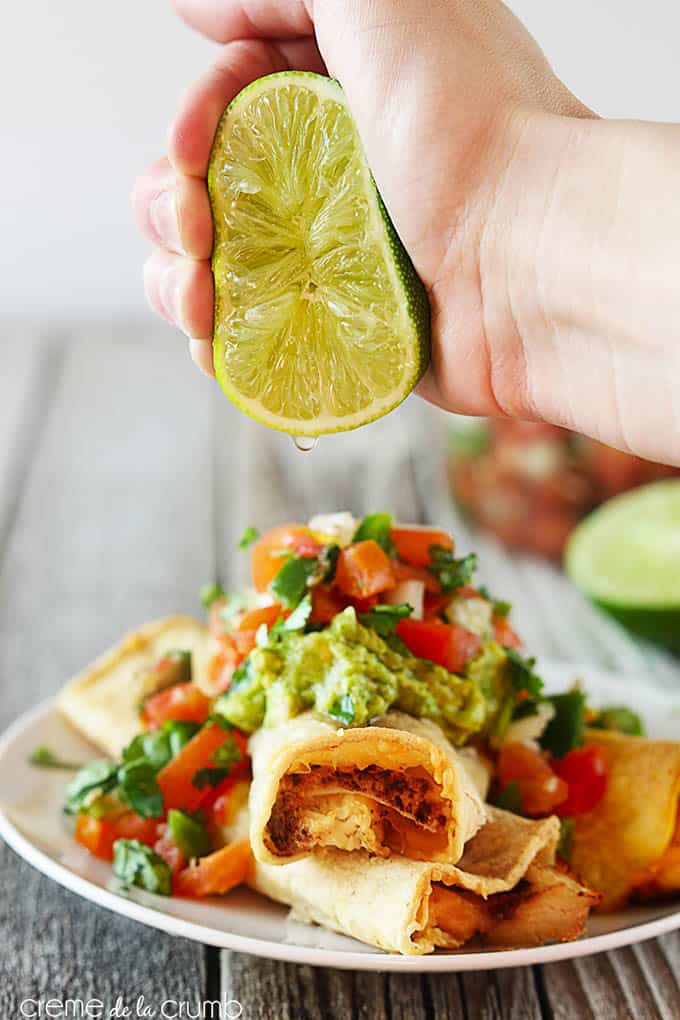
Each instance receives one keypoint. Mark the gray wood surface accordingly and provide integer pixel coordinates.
(125, 481)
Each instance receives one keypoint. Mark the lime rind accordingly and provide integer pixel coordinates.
(625, 557)
(308, 350)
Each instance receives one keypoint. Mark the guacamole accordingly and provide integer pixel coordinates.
(351, 674)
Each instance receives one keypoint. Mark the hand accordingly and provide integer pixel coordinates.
(437, 135)
(527, 218)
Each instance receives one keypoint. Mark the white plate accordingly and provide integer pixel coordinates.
(31, 822)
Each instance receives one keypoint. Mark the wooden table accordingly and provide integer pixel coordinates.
(125, 480)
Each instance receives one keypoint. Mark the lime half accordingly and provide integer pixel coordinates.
(626, 557)
(321, 322)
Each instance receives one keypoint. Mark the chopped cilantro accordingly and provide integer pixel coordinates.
(619, 718)
(564, 843)
(510, 798)
(384, 618)
(43, 757)
(565, 730)
(223, 758)
(137, 784)
(499, 606)
(290, 583)
(522, 675)
(137, 864)
(450, 572)
(96, 778)
(211, 593)
(249, 536)
(377, 527)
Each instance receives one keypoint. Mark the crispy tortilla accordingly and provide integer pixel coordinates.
(618, 847)
(102, 702)
(504, 889)
(394, 788)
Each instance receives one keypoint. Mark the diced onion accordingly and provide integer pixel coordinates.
(410, 592)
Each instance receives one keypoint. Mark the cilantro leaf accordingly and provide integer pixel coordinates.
(297, 619)
(565, 730)
(249, 536)
(564, 843)
(342, 709)
(209, 777)
(137, 785)
(210, 593)
(450, 572)
(137, 864)
(290, 583)
(619, 718)
(510, 798)
(384, 618)
(377, 527)
(499, 606)
(43, 757)
(96, 778)
(223, 758)
(522, 675)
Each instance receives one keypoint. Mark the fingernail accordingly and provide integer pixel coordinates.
(169, 291)
(202, 355)
(163, 214)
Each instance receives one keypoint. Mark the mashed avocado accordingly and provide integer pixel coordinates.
(352, 674)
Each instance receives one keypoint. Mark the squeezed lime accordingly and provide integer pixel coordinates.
(321, 321)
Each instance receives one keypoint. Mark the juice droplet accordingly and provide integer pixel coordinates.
(304, 443)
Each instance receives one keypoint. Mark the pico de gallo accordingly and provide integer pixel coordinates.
(348, 619)
(530, 483)
(159, 813)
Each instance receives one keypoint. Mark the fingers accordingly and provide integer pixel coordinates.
(181, 291)
(173, 210)
(246, 19)
(192, 132)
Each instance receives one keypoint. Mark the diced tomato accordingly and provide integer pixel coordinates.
(413, 544)
(407, 572)
(327, 602)
(435, 604)
(266, 558)
(166, 848)
(363, 569)
(541, 790)
(449, 645)
(216, 873)
(220, 671)
(504, 633)
(584, 770)
(99, 834)
(254, 618)
(183, 702)
(227, 798)
(365, 605)
(176, 778)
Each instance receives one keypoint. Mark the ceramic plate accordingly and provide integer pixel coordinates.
(31, 822)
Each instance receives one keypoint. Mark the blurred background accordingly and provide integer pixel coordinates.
(87, 90)
(98, 396)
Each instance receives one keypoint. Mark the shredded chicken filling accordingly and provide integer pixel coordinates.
(546, 906)
(380, 810)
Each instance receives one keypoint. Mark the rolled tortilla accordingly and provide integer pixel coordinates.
(103, 701)
(625, 847)
(503, 889)
(394, 788)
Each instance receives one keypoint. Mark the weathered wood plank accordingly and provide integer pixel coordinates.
(627, 984)
(114, 527)
(501, 995)
(29, 364)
